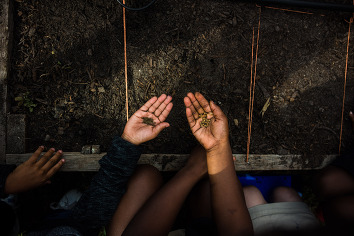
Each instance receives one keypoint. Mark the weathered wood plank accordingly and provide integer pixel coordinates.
(16, 133)
(5, 49)
(173, 162)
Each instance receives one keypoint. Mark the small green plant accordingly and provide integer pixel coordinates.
(102, 232)
(26, 101)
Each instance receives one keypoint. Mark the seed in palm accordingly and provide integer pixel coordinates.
(205, 122)
(148, 121)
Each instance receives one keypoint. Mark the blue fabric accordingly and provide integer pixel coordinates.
(265, 183)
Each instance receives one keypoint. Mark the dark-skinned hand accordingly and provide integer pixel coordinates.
(217, 132)
(34, 172)
(146, 123)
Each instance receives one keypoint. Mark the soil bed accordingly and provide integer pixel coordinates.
(68, 68)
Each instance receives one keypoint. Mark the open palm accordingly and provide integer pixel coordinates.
(148, 121)
(217, 131)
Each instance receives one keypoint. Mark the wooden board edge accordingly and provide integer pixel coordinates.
(6, 28)
(173, 162)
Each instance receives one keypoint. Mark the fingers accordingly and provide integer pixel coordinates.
(52, 161)
(45, 157)
(203, 102)
(196, 103)
(158, 128)
(157, 103)
(55, 168)
(148, 104)
(162, 117)
(35, 155)
(190, 118)
(188, 104)
(216, 110)
(149, 115)
(159, 107)
(162, 106)
(48, 164)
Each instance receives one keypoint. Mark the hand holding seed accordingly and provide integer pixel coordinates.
(146, 123)
(206, 120)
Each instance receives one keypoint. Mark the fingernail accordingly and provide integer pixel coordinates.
(41, 147)
(62, 160)
(52, 149)
(350, 113)
(60, 151)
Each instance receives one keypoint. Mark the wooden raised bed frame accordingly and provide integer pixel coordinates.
(89, 162)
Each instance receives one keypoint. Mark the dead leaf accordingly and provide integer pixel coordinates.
(236, 122)
(265, 107)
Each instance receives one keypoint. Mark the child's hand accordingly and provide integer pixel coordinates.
(148, 121)
(34, 172)
(214, 131)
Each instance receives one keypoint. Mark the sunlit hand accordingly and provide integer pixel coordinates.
(217, 132)
(34, 172)
(148, 121)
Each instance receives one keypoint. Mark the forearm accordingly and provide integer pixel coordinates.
(228, 204)
(97, 205)
(159, 213)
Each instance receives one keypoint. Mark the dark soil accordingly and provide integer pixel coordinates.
(68, 68)
(69, 64)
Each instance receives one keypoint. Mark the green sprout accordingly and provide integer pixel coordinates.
(26, 101)
(102, 232)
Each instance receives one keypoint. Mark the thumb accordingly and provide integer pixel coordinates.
(158, 128)
(217, 112)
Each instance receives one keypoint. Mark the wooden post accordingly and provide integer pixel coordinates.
(6, 26)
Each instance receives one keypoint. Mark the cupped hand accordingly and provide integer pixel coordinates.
(34, 172)
(148, 121)
(217, 132)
